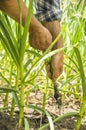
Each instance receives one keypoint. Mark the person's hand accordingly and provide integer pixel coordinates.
(55, 67)
(39, 37)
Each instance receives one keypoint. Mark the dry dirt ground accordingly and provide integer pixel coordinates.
(34, 117)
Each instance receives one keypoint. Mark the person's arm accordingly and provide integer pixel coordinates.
(10, 7)
(40, 37)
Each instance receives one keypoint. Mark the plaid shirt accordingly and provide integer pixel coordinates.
(48, 10)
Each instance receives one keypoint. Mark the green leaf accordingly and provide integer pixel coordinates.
(44, 112)
(82, 75)
(26, 29)
(26, 124)
(8, 40)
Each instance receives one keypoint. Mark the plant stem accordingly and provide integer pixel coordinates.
(45, 93)
(10, 80)
(82, 109)
(21, 115)
(16, 87)
(83, 81)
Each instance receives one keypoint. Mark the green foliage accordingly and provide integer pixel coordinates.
(22, 67)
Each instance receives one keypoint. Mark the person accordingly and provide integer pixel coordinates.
(44, 27)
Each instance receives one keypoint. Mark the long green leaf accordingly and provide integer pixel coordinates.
(83, 81)
(26, 29)
(8, 41)
(10, 48)
(41, 59)
(26, 124)
(44, 112)
(82, 75)
(59, 119)
(5, 90)
(5, 79)
(8, 30)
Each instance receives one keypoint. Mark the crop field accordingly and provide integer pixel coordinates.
(26, 93)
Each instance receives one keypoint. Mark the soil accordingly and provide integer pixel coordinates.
(35, 118)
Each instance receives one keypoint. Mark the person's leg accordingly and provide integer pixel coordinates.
(57, 59)
(39, 35)
(49, 14)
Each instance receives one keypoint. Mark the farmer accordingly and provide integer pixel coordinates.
(43, 29)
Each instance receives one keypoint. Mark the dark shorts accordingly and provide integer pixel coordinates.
(48, 10)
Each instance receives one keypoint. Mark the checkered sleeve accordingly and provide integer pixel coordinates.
(48, 10)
